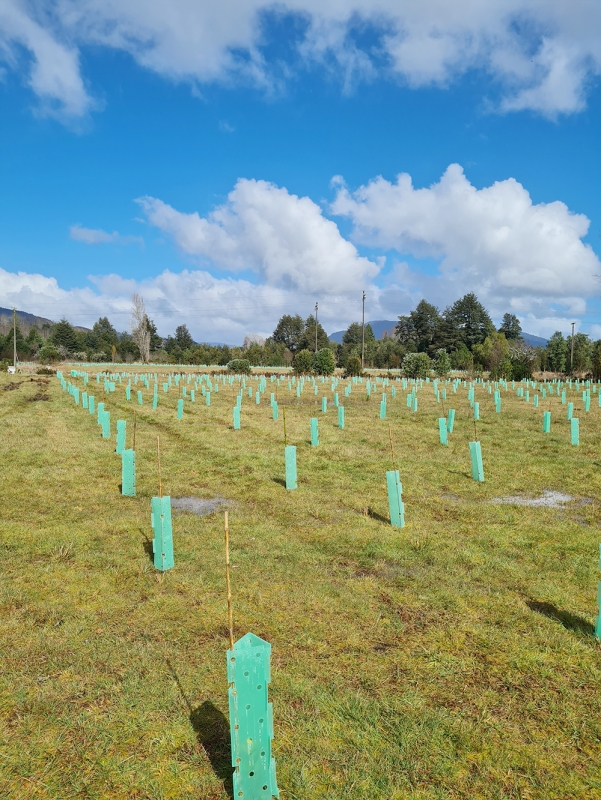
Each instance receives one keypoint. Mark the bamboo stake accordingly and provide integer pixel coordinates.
(391, 448)
(285, 435)
(159, 463)
(230, 618)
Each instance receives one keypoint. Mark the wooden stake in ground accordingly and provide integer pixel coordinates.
(159, 465)
(391, 448)
(230, 618)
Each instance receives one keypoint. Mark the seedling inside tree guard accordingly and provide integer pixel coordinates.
(251, 715)
(162, 544)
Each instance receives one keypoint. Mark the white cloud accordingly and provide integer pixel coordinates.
(54, 74)
(494, 240)
(543, 55)
(98, 236)
(214, 309)
(285, 239)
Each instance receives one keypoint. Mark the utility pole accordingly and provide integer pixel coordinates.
(316, 307)
(572, 354)
(363, 334)
(15, 338)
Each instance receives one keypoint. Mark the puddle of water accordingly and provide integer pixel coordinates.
(548, 499)
(198, 506)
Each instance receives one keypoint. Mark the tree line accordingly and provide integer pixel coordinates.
(461, 337)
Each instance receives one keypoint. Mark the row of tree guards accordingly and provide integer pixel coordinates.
(248, 659)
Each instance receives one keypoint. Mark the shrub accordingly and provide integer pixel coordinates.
(48, 354)
(325, 364)
(46, 371)
(303, 362)
(417, 365)
(442, 363)
(241, 366)
(353, 367)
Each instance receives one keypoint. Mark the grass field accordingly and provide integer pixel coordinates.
(454, 658)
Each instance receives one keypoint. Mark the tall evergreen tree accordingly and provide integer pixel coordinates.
(557, 350)
(289, 332)
(420, 327)
(510, 326)
(65, 335)
(467, 322)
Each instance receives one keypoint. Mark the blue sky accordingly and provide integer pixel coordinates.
(232, 164)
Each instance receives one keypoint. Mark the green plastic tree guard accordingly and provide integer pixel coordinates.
(128, 392)
(442, 429)
(547, 422)
(587, 403)
(91, 401)
(180, 409)
(192, 396)
(105, 424)
(414, 406)
(450, 420)
(290, 458)
(257, 398)
(236, 418)
(128, 473)
(570, 410)
(324, 404)
(162, 544)
(598, 624)
(121, 430)
(382, 409)
(314, 432)
(140, 399)
(476, 457)
(395, 499)
(208, 398)
(476, 410)
(155, 401)
(575, 430)
(251, 719)
(341, 416)
(84, 399)
(274, 410)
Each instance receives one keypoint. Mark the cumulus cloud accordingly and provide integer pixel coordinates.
(98, 236)
(542, 55)
(493, 240)
(285, 239)
(214, 309)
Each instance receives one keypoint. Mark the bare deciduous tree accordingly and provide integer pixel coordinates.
(139, 327)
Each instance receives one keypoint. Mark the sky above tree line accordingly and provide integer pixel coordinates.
(237, 161)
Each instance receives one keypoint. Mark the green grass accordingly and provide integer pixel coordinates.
(454, 658)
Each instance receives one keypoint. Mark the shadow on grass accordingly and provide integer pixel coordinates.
(459, 472)
(212, 733)
(570, 621)
(379, 517)
(281, 481)
(148, 547)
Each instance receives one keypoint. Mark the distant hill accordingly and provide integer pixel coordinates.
(25, 317)
(534, 341)
(381, 326)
